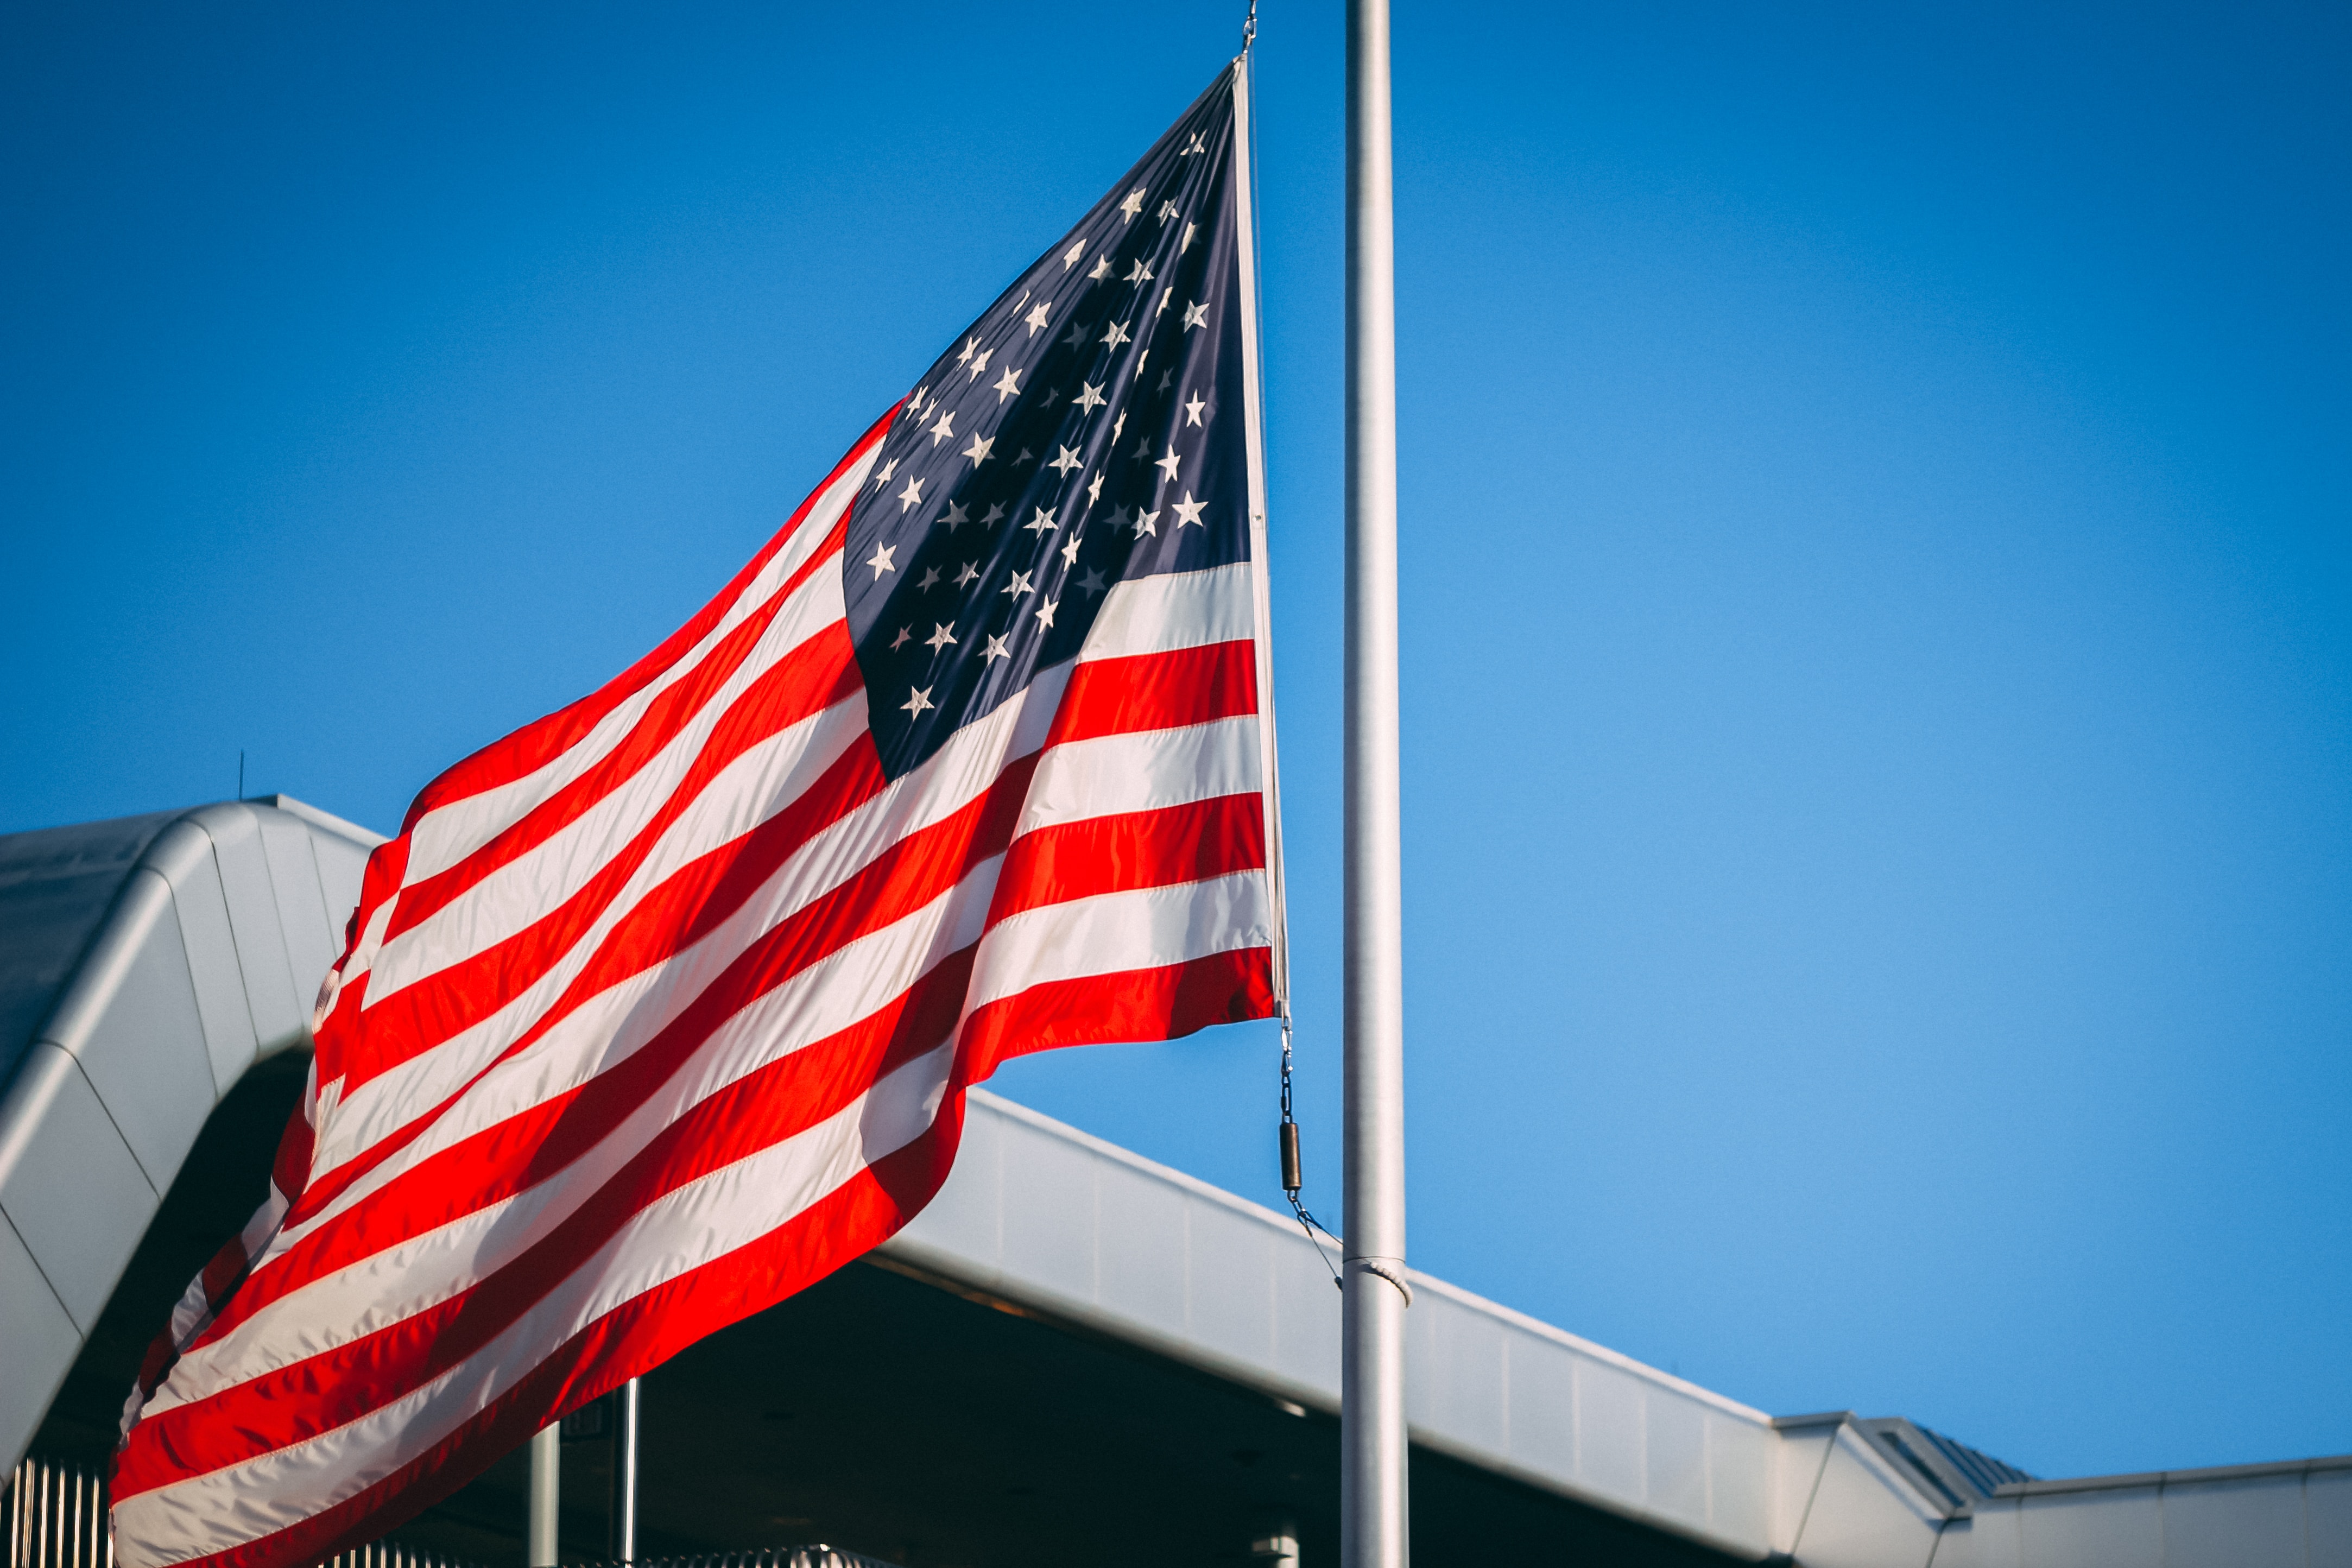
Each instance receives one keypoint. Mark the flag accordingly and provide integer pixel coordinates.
(663, 1006)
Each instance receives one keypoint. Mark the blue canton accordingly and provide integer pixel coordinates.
(1087, 430)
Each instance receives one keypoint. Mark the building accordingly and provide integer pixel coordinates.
(1075, 1356)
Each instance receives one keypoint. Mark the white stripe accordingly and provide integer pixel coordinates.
(1143, 770)
(1171, 610)
(1112, 932)
(447, 835)
(729, 1208)
(376, 1291)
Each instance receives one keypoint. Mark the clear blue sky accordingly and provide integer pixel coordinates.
(1879, 676)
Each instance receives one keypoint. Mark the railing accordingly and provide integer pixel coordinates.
(56, 1517)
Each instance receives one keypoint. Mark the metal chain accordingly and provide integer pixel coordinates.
(1249, 28)
(1307, 1222)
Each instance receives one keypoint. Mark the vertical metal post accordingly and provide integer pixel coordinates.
(625, 1472)
(1374, 1503)
(546, 1494)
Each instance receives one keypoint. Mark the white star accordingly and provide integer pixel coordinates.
(900, 640)
(1092, 583)
(1195, 145)
(969, 344)
(882, 475)
(1036, 318)
(1143, 448)
(1161, 308)
(1138, 273)
(1069, 460)
(1089, 398)
(943, 427)
(1146, 522)
(1167, 210)
(1166, 378)
(1070, 257)
(995, 649)
(980, 449)
(1045, 614)
(880, 560)
(1018, 586)
(1094, 490)
(979, 363)
(1008, 385)
(1169, 463)
(940, 638)
(1118, 517)
(916, 700)
(995, 513)
(1101, 269)
(1070, 552)
(1192, 410)
(1134, 203)
(911, 494)
(1025, 455)
(1140, 360)
(1196, 314)
(970, 573)
(930, 579)
(955, 517)
(1189, 511)
(915, 404)
(1116, 426)
(1042, 522)
(1115, 335)
(1187, 245)
(1077, 334)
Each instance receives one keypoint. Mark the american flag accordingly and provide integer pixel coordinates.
(663, 1007)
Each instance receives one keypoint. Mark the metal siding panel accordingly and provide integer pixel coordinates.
(1049, 1213)
(281, 1015)
(1739, 1477)
(1462, 1379)
(41, 1342)
(1306, 1321)
(2255, 1523)
(1987, 1539)
(230, 1043)
(2122, 1526)
(1796, 1474)
(1543, 1402)
(1610, 1446)
(144, 1050)
(1140, 1270)
(67, 1181)
(962, 1219)
(1860, 1520)
(1676, 1477)
(1229, 1282)
(2327, 1518)
(302, 907)
(342, 865)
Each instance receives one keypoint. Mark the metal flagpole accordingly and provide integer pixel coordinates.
(543, 1515)
(625, 1472)
(1374, 1503)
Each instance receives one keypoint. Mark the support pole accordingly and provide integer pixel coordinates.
(625, 1472)
(1372, 1497)
(546, 1493)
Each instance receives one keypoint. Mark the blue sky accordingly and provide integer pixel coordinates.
(1878, 612)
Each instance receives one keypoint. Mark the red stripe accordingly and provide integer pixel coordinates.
(538, 744)
(1162, 1004)
(1158, 691)
(628, 1342)
(1132, 849)
(785, 683)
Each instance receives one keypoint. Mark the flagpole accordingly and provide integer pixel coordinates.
(1373, 1501)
